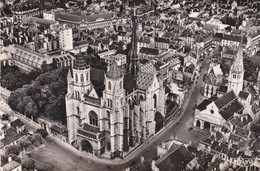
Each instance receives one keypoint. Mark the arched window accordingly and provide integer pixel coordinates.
(108, 115)
(155, 100)
(76, 77)
(109, 85)
(87, 77)
(82, 78)
(93, 118)
(141, 97)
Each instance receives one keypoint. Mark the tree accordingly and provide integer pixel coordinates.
(15, 158)
(13, 149)
(25, 143)
(28, 164)
(36, 139)
(90, 50)
(43, 132)
(89, 2)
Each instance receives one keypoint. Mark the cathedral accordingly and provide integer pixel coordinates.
(122, 116)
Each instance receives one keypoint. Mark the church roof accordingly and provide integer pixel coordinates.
(114, 71)
(80, 63)
(148, 68)
(226, 99)
(243, 95)
(203, 104)
(228, 112)
(222, 89)
(97, 79)
(144, 80)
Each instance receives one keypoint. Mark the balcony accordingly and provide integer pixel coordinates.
(90, 132)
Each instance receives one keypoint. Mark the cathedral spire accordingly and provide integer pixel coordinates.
(114, 71)
(133, 66)
(238, 65)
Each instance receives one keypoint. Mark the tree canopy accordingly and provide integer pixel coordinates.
(45, 96)
(12, 78)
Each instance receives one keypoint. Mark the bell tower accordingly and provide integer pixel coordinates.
(114, 97)
(236, 74)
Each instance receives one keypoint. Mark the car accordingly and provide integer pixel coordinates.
(190, 128)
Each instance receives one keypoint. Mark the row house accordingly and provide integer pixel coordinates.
(90, 22)
(125, 37)
(148, 53)
(161, 43)
(146, 42)
(19, 15)
(228, 40)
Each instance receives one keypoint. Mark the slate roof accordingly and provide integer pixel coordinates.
(144, 39)
(90, 128)
(148, 68)
(226, 99)
(38, 20)
(222, 89)
(10, 166)
(233, 153)
(202, 106)
(144, 80)
(114, 71)
(243, 95)
(17, 123)
(228, 111)
(255, 108)
(177, 160)
(11, 136)
(251, 90)
(149, 51)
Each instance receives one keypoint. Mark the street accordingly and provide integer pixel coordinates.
(63, 158)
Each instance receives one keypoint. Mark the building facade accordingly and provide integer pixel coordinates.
(66, 39)
(118, 115)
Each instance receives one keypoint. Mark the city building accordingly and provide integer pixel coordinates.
(28, 60)
(117, 115)
(66, 39)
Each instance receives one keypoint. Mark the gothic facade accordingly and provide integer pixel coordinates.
(128, 110)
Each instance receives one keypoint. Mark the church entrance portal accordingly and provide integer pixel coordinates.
(86, 146)
(198, 123)
(207, 125)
